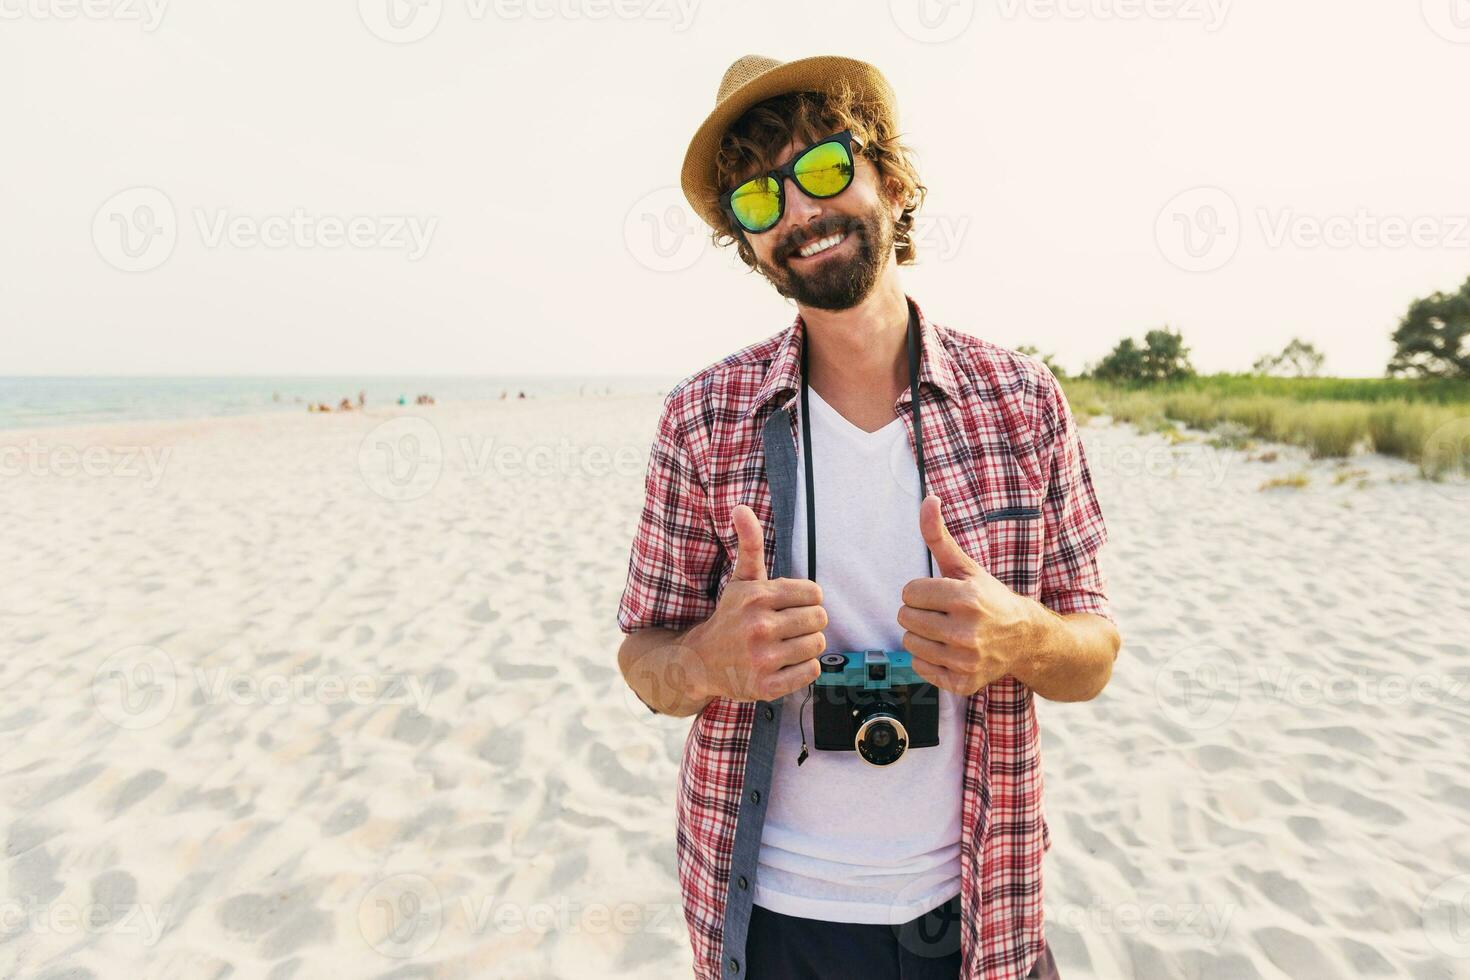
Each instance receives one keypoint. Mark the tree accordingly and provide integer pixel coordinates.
(1163, 357)
(1431, 340)
(1053, 366)
(1298, 359)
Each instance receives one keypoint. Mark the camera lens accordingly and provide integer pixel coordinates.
(881, 739)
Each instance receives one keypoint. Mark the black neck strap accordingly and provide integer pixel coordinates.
(914, 343)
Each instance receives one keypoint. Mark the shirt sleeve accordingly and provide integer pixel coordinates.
(1071, 580)
(675, 561)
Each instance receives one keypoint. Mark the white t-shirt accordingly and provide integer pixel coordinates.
(845, 841)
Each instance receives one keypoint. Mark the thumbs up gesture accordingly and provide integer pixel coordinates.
(763, 639)
(967, 628)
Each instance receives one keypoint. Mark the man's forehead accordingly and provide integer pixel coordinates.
(799, 140)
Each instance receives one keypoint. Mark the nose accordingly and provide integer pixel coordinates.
(800, 209)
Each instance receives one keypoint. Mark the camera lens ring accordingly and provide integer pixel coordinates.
(900, 739)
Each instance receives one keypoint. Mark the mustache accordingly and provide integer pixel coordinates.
(817, 229)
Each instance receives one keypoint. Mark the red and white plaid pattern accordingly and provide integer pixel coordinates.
(999, 440)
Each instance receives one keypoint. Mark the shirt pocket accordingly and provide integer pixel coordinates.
(1015, 537)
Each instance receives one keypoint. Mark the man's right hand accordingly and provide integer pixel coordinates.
(763, 639)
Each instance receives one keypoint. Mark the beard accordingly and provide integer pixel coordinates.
(838, 283)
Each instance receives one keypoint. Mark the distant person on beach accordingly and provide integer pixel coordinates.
(362, 399)
(939, 479)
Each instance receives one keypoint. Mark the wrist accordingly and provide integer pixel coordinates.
(697, 686)
(1041, 632)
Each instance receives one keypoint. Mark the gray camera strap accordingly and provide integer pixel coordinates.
(915, 341)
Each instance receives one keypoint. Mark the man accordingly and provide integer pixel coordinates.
(798, 859)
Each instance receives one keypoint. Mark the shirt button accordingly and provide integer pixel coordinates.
(742, 883)
(769, 713)
(755, 796)
(734, 965)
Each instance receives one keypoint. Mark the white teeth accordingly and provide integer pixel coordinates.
(820, 245)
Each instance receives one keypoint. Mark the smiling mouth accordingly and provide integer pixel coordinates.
(820, 245)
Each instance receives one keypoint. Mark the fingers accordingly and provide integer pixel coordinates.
(795, 650)
(934, 653)
(949, 557)
(930, 625)
(750, 554)
(940, 677)
(939, 594)
(789, 679)
(799, 621)
(786, 593)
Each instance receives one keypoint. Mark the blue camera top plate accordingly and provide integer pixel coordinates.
(868, 669)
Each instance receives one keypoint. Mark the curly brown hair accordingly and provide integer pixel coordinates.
(752, 143)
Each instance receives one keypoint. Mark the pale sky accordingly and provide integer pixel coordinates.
(513, 175)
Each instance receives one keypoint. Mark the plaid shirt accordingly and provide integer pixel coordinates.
(1002, 453)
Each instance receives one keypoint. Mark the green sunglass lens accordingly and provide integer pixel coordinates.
(757, 203)
(824, 170)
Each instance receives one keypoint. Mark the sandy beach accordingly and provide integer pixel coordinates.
(299, 696)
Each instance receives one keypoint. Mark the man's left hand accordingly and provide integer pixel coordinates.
(967, 628)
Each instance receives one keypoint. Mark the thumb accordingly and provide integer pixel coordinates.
(949, 558)
(750, 555)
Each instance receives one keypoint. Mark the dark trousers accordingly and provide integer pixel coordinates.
(785, 947)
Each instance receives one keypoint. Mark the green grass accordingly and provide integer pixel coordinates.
(1442, 391)
(1426, 422)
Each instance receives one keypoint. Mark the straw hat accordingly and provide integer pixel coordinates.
(752, 79)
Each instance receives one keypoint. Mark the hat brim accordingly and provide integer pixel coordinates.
(816, 74)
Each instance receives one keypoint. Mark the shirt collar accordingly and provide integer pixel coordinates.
(784, 377)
